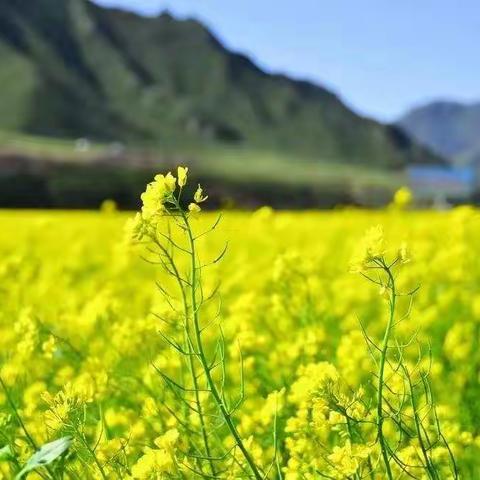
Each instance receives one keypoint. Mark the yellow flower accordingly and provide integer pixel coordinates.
(109, 449)
(194, 208)
(182, 176)
(403, 253)
(374, 243)
(170, 182)
(198, 197)
(153, 464)
(403, 197)
(49, 346)
(370, 248)
(108, 206)
(168, 440)
(347, 459)
(153, 199)
(135, 228)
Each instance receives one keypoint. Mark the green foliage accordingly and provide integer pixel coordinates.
(243, 177)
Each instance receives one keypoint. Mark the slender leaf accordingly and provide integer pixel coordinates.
(6, 453)
(46, 455)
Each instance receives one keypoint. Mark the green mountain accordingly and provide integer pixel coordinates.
(69, 68)
(451, 129)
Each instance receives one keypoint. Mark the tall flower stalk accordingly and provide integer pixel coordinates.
(165, 226)
(403, 395)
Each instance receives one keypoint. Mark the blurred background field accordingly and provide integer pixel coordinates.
(42, 172)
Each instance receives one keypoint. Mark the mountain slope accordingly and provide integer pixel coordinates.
(451, 129)
(74, 69)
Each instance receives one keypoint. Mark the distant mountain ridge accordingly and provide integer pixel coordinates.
(70, 68)
(451, 129)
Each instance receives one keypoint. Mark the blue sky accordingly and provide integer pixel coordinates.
(380, 56)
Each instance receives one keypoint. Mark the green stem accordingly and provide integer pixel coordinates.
(91, 451)
(191, 364)
(211, 384)
(200, 410)
(381, 373)
(356, 475)
(30, 439)
(428, 464)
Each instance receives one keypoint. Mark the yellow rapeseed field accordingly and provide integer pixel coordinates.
(338, 345)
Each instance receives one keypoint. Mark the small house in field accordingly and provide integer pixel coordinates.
(442, 185)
